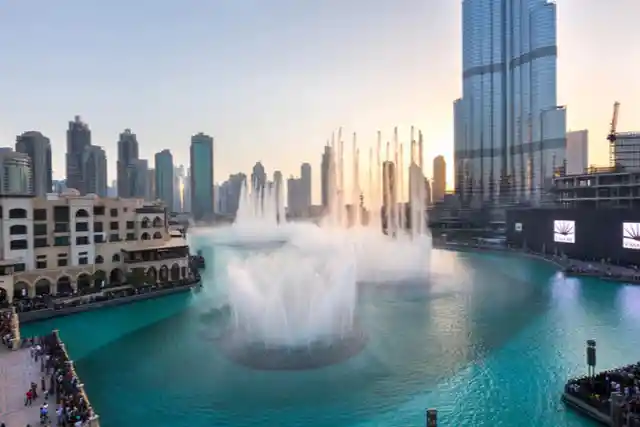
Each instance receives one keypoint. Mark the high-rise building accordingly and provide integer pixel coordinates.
(15, 173)
(128, 156)
(439, 186)
(577, 151)
(78, 140)
(140, 180)
(305, 185)
(389, 191)
(38, 148)
(278, 188)
(164, 178)
(325, 170)
(94, 170)
(508, 125)
(150, 194)
(186, 192)
(178, 182)
(201, 188)
(258, 177)
(294, 199)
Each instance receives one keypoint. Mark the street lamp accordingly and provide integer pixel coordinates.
(543, 112)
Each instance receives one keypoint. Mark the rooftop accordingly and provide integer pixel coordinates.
(169, 244)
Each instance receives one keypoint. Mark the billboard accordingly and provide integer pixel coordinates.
(631, 235)
(564, 231)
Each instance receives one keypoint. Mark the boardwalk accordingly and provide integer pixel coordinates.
(17, 371)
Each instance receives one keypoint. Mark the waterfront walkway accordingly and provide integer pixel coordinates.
(17, 371)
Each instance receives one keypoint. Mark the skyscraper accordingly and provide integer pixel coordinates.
(508, 125)
(258, 177)
(78, 139)
(94, 170)
(279, 189)
(15, 173)
(325, 170)
(305, 186)
(201, 188)
(126, 164)
(439, 186)
(38, 148)
(164, 178)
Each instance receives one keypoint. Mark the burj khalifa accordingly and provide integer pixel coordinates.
(509, 131)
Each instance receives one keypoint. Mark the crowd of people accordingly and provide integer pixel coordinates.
(61, 400)
(6, 328)
(596, 391)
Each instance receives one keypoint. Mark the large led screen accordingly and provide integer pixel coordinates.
(631, 235)
(564, 231)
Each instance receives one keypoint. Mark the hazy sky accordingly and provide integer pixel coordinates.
(270, 79)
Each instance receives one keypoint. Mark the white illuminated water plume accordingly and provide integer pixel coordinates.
(293, 284)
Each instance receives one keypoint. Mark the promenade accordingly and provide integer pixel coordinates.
(17, 371)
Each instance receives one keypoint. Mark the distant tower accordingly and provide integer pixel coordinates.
(38, 148)
(439, 185)
(201, 177)
(305, 186)
(78, 140)
(126, 164)
(164, 178)
(325, 170)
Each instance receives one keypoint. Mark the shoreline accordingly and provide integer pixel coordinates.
(461, 247)
(50, 313)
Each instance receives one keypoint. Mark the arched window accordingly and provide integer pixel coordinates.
(17, 229)
(145, 222)
(157, 222)
(115, 258)
(157, 235)
(17, 213)
(82, 213)
(99, 259)
(145, 236)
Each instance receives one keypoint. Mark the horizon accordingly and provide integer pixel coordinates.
(261, 79)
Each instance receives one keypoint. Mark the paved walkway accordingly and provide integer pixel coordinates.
(17, 371)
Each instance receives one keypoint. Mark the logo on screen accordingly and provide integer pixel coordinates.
(564, 231)
(518, 226)
(631, 235)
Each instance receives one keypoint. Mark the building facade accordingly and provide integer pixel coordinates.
(201, 177)
(38, 148)
(164, 178)
(66, 243)
(15, 173)
(508, 126)
(94, 170)
(577, 152)
(325, 170)
(305, 184)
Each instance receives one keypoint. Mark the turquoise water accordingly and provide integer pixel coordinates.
(489, 341)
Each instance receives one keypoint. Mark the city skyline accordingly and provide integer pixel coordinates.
(269, 114)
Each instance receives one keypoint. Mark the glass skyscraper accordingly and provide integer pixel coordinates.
(509, 131)
(201, 180)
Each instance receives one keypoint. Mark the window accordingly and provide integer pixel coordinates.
(145, 236)
(39, 214)
(98, 238)
(114, 225)
(115, 258)
(98, 227)
(114, 237)
(61, 213)
(131, 225)
(157, 235)
(18, 213)
(82, 226)
(61, 241)
(17, 229)
(99, 259)
(82, 213)
(114, 212)
(131, 236)
(19, 268)
(82, 240)
(62, 262)
(83, 260)
(61, 227)
(40, 229)
(17, 245)
(40, 242)
(41, 264)
(98, 210)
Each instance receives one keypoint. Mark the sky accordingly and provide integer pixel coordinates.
(270, 80)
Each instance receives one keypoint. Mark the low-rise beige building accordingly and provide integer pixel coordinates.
(67, 242)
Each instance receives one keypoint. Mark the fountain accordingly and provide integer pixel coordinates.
(292, 287)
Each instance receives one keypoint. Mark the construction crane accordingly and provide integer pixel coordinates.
(613, 136)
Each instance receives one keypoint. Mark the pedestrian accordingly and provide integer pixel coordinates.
(29, 398)
(42, 384)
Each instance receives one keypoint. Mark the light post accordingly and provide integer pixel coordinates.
(543, 112)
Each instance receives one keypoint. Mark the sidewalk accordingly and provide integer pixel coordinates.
(17, 371)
